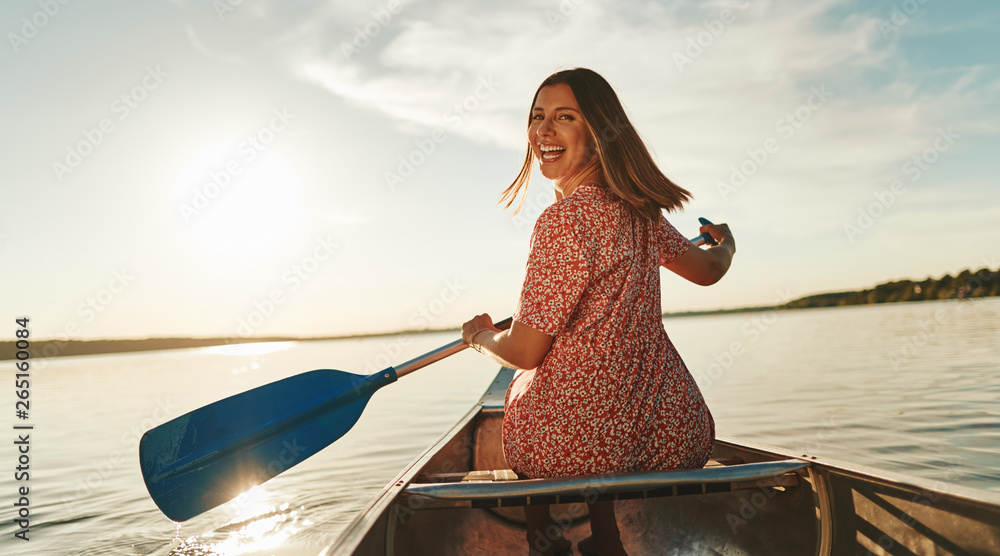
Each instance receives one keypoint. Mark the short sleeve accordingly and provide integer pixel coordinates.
(555, 276)
(670, 242)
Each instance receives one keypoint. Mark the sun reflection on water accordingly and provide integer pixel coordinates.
(259, 525)
(255, 348)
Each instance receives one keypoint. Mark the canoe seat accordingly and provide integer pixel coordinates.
(502, 488)
(468, 477)
(480, 476)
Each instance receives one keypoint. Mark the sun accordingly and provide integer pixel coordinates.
(239, 208)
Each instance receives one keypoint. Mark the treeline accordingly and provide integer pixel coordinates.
(55, 348)
(968, 284)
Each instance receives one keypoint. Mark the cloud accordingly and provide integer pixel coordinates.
(709, 86)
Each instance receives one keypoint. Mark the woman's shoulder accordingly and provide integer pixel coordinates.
(584, 202)
(581, 214)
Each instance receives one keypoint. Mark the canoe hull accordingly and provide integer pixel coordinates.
(829, 509)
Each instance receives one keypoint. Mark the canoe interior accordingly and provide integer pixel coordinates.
(830, 509)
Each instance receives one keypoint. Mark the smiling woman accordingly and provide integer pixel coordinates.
(603, 388)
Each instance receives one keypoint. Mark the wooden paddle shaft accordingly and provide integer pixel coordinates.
(440, 353)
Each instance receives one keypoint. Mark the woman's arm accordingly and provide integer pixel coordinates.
(706, 266)
(520, 347)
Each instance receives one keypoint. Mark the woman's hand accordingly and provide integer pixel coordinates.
(720, 233)
(707, 266)
(475, 326)
(519, 347)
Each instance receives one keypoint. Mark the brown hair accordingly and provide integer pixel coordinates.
(626, 166)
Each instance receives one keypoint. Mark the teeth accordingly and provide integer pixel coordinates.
(550, 148)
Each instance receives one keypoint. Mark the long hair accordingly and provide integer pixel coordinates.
(626, 166)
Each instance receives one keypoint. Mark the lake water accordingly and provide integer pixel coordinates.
(911, 388)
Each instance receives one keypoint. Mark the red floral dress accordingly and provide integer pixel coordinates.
(612, 394)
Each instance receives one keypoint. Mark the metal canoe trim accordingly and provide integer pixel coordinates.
(605, 484)
(351, 537)
(495, 395)
(872, 475)
(824, 511)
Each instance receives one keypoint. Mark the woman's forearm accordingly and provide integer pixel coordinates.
(519, 347)
(498, 347)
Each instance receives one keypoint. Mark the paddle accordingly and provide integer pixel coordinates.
(211, 455)
(705, 238)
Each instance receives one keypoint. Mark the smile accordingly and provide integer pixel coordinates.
(551, 153)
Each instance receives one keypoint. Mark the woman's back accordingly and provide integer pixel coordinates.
(612, 394)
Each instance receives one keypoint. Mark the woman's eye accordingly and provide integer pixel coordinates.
(561, 117)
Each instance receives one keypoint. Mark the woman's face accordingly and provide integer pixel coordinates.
(558, 134)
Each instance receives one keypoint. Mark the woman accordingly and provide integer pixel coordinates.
(605, 391)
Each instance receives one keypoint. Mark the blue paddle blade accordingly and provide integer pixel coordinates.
(213, 454)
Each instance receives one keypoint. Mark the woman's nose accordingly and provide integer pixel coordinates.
(544, 128)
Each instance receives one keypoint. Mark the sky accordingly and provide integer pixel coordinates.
(258, 168)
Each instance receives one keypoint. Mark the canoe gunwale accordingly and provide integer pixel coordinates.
(902, 481)
(828, 501)
(380, 508)
(614, 483)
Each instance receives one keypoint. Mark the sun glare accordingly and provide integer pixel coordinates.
(237, 207)
(258, 526)
(256, 348)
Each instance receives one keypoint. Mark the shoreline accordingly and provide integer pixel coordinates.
(68, 348)
(43, 349)
(984, 283)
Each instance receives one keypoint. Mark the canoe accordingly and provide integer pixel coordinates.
(459, 498)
